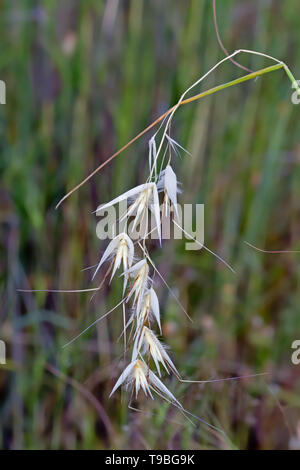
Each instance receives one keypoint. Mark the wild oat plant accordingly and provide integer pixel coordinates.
(155, 198)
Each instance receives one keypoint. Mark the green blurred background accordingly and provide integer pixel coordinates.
(82, 78)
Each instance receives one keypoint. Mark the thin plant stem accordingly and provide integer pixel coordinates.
(220, 40)
(209, 92)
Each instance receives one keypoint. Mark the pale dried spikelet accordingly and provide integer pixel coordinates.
(147, 341)
(168, 183)
(145, 197)
(122, 249)
(149, 307)
(139, 376)
(176, 146)
(134, 374)
(152, 154)
(140, 273)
